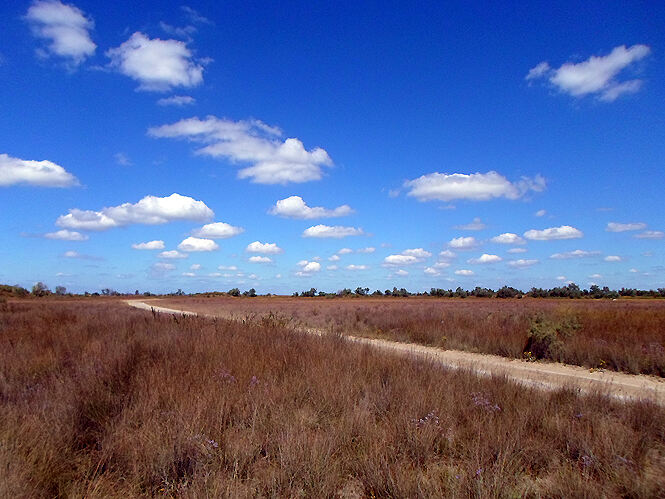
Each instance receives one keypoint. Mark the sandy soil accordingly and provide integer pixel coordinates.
(543, 375)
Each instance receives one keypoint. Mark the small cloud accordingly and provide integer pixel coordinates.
(517, 250)
(332, 267)
(345, 251)
(574, 254)
(14, 171)
(369, 249)
(561, 278)
(625, 227)
(122, 159)
(508, 238)
(406, 257)
(650, 234)
(464, 272)
(521, 264)
(475, 224)
(334, 258)
(431, 271)
(227, 267)
(554, 233)
(336, 232)
(485, 258)
(463, 243)
(540, 213)
(198, 244)
(71, 254)
(613, 258)
(176, 100)
(158, 65)
(66, 235)
(595, 76)
(356, 267)
(195, 266)
(188, 274)
(401, 273)
(473, 187)
(173, 254)
(295, 207)
(66, 27)
(595, 276)
(308, 268)
(259, 259)
(218, 230)
(150, 245)
(264, 248)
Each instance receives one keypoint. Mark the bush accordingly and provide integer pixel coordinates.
(546, 336)
(234, 292)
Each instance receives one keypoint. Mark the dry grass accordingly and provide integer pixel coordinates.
(623, 335)
(99, 400)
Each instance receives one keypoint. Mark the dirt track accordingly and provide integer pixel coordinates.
(547, 376)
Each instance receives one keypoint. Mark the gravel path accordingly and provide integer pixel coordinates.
(543, 375)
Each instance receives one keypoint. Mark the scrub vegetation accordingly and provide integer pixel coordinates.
(100, 400)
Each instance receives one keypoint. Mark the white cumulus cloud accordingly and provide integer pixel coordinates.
(158, 65)
(406, 257)
(335, 232)
(218, 230)
(265, 248)
(463, 243)
(345, 251)
(613, 258)
(474, 187)
(40, 173)
(334, 258)
(66, 28)
(66, 235)
(431, 271)
(464, 272)
(595, 76)
(396, 260)
(150, 245)
(198, 244)
(401, 272)
(508, 238)
(151, 210)
(517, 250)
(485, 258)
(295, 207)
(553, 233)
(272, 160)
(308, 268)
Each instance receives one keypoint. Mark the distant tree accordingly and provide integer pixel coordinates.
(60, 290)
(234, 292)
(250, 293)
(508, 292)
(136, 292)
(310, 293)
(180, 292)
(377, 293)
(362, 291)
(40, 289)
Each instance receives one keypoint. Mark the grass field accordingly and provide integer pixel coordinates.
(97, 399)
(623, 335)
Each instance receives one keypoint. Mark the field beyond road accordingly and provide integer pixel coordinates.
(101, 400)
(623, 335)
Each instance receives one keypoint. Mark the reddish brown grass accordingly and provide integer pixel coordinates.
(102, 400)
(622, 335)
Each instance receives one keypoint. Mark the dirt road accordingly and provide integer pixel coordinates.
(543, 375)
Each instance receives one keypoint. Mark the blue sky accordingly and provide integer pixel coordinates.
(212, 145)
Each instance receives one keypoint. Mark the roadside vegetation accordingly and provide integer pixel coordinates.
(100, 400)
(623, 335)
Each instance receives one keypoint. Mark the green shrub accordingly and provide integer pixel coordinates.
(547, 335)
